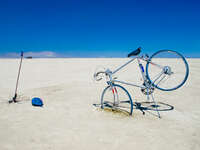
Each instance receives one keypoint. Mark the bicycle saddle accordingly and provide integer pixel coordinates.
(135, 52)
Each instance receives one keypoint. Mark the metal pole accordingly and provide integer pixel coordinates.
(15, 96)
(155, 105)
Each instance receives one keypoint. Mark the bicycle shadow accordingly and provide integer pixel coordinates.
(144, 107)
(152, 106)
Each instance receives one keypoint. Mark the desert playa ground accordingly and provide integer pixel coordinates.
(69, 121)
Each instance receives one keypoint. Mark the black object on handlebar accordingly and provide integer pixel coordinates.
(135, 52)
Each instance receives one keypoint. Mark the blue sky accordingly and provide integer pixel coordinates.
(98, 28)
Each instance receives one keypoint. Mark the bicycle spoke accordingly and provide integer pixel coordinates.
(157, 65)
(160, 80)
(157, 77)
(167, 77)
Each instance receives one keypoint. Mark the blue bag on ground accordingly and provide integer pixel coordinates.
(37, 102)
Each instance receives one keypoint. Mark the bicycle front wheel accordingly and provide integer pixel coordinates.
(116, 98)
(167, 70)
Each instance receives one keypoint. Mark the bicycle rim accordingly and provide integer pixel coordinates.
(117, 99)
(167, 70)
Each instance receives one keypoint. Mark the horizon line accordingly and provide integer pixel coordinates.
(81, 57)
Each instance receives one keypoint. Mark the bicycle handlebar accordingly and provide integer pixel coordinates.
(97, 74)
(107, 73)
(100, 73)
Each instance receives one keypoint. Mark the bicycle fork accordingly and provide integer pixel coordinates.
(116, 96)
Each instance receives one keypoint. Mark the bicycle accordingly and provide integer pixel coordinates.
(159, 74)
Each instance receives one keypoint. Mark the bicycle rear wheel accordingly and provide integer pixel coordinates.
(116, 98)
(167, 70)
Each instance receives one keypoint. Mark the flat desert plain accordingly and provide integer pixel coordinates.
(69, 121)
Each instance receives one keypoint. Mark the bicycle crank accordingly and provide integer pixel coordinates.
(147, 89)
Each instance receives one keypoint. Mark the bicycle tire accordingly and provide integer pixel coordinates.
(124, 102)
(175, 70)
